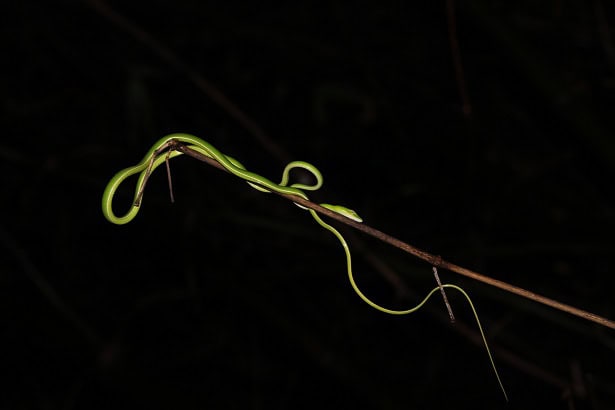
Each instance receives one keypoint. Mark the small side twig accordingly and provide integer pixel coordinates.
(448, 305)
(169, 179)
(433, 260)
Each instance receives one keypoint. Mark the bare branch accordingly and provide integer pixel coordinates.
(434, 260)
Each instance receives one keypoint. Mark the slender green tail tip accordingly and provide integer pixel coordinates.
(480, 329)
(501, 385)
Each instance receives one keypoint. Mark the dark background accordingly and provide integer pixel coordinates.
(231, 298)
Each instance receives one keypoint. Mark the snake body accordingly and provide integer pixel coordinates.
(155, 158)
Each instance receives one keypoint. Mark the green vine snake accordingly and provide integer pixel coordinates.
(155, 158)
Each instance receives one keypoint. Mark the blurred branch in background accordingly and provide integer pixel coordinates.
(199, 81)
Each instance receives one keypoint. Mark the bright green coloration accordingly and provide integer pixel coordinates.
(154, 158)
(347, 212)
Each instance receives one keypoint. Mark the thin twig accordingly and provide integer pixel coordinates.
(434, 260)
(448, 305)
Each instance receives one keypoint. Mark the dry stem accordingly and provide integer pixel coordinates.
(434, 260)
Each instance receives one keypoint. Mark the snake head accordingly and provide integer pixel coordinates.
(342, 210)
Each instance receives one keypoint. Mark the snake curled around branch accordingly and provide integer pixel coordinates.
(163, 150)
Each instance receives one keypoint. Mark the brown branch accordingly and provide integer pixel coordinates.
(434, 260)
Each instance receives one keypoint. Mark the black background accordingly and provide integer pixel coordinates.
(231, 298)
